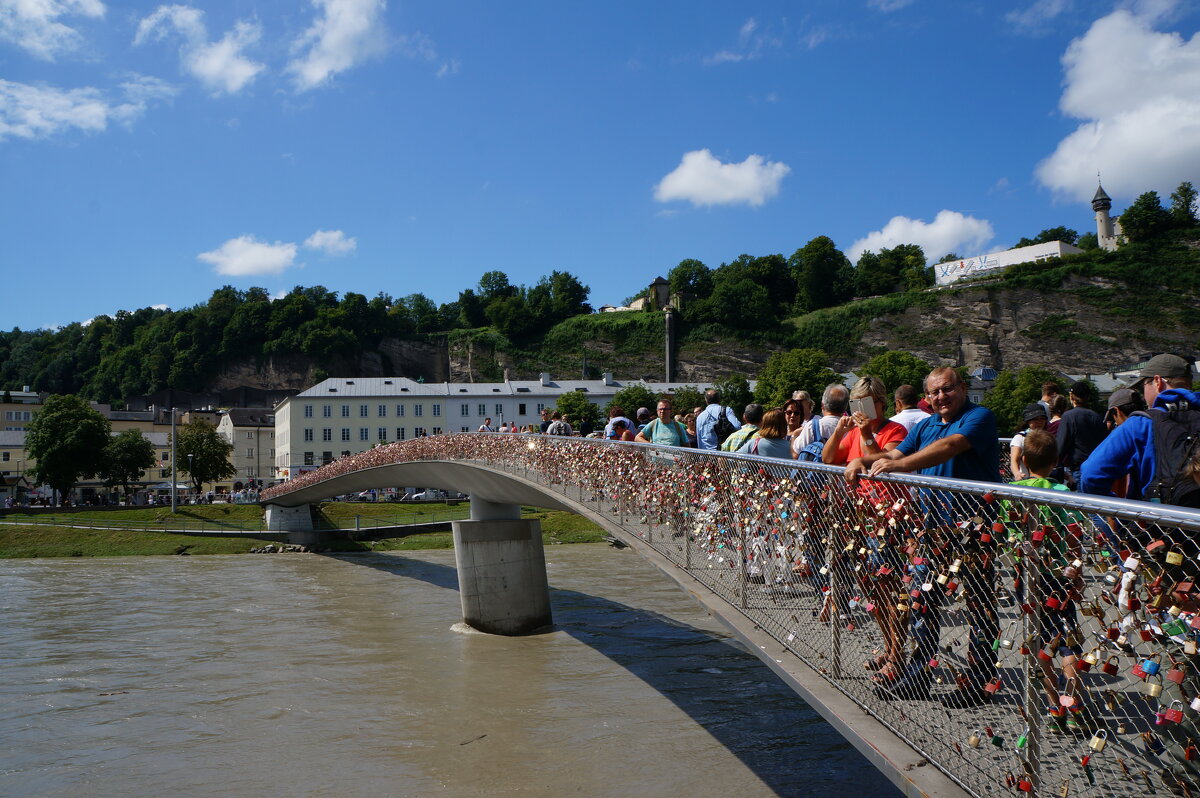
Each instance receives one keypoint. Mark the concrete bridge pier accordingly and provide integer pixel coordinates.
(296, 521)
(501, 570)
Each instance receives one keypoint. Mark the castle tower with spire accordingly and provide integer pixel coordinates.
(1108, 230)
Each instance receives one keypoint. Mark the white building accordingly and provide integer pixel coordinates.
(946, 273)
(344, 416)
(251, 431)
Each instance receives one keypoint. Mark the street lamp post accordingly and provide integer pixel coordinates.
(174, 459)
(190, 477)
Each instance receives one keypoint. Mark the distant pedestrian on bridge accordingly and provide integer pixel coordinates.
(716, 423)
(486, 426)
(664, 430)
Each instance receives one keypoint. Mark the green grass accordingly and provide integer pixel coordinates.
(56, 541)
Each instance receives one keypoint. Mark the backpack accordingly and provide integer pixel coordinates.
(723, 427)
(812, 452)
(1176, 433)
(680, 431)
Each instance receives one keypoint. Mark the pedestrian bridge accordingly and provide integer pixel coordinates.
(1030, 598)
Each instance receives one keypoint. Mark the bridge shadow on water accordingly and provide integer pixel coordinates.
(725, 689)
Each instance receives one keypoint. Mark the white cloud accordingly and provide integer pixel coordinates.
(246, 255)
(949, 231)
(34, 24)
(331, 242)
(220, 66)
(36, 112)
(1136, 89)
(751, 45)
(346, 33)
(701, 179)
(887, 6)
(1038, 16)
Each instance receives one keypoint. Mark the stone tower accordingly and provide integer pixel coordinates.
(1108, 230)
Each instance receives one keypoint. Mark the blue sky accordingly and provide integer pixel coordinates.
(150, 154)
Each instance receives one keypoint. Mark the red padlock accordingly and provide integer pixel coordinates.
(1044, 655)
(1173, 714)
(993, 686)
(1038, 535)
(1110, 665)
(1175, 674)
(1075, 529)
(1053, 603)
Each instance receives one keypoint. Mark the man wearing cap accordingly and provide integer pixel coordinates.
(1165, 382)
(1079, 432)
(1121, 405)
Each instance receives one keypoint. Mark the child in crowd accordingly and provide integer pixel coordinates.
(1053, 581)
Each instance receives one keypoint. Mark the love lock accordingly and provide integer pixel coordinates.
(975, 739)
(1099, 740)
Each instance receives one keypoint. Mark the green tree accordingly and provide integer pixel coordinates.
(575, 405)
(1012, 391)
(126, 459)
(950, 257)
(67, 439)
(823, 275)
(686, 398)
(203, 453)
(1088, 241)
(470, 310)
(630, 398)
(1063, 234)
(1145, 219)
(1183, 205)
(495, 285)
(735, 393)
(898, 368)
(742, 305)
(691, 277)
(797, 370)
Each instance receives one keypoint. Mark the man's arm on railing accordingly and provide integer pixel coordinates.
(935, 453)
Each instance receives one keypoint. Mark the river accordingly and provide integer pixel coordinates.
(310, 675)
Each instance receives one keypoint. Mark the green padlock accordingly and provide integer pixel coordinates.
(1023, 739)
(1174, 627)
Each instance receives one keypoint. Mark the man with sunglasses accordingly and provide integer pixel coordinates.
(1165, 382)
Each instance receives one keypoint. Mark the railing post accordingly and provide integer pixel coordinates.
(742, 558)
(1031, 699)
(835, 625)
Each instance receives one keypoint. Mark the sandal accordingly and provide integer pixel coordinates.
(876, 663)
(888, 673)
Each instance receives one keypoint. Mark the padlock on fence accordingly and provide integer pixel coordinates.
(1174, 714)
(975, 739)
(1111, 665)
(1099, 740)
(1154, 688)
(1147, 667)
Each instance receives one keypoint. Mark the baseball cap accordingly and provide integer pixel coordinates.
(1082, 389)
(1122, 396)
(1166, 366)
(1032, 411)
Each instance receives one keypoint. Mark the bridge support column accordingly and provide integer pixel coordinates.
(501, 570)
(296, 521)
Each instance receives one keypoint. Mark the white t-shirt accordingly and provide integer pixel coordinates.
(805, 436)
(909, 417)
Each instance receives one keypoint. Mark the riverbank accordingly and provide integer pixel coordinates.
(49, 539)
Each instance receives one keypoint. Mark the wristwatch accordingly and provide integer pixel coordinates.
(869, 441)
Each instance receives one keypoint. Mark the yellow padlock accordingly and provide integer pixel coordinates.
(1098, 741)
(1154, 689)
(1174, 557)
(975, 739)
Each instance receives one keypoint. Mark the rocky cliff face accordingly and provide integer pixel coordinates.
(393, 357)
(1090, 325)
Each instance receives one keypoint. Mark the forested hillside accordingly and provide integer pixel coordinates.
(1085, 312)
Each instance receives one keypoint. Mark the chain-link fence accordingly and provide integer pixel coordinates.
(1020, 639)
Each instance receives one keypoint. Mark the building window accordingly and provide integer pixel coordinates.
(418, 432)
(541, 407)
(326, 458)
(308, 411)
(382, 434)
(272, 434)
(466, 409)
(399, 433)
(4, 456)
(272, 453)
(165, 456)
(308, 458)
(437, 430)
(327, 434)
(326, 411)
(482, 409)
(499, 410)
(418, 410)
(250, 452)
(383, 411)
(249, 472)
(362, 411)
(250, 435)
(345, 433)
(520, 410)
(164, 472)
(437, 409)
(364, 434)
(345, 411)
(463, 429)
(399, 411)
(308, 434)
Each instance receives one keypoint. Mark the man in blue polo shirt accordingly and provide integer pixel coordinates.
(959, 440)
